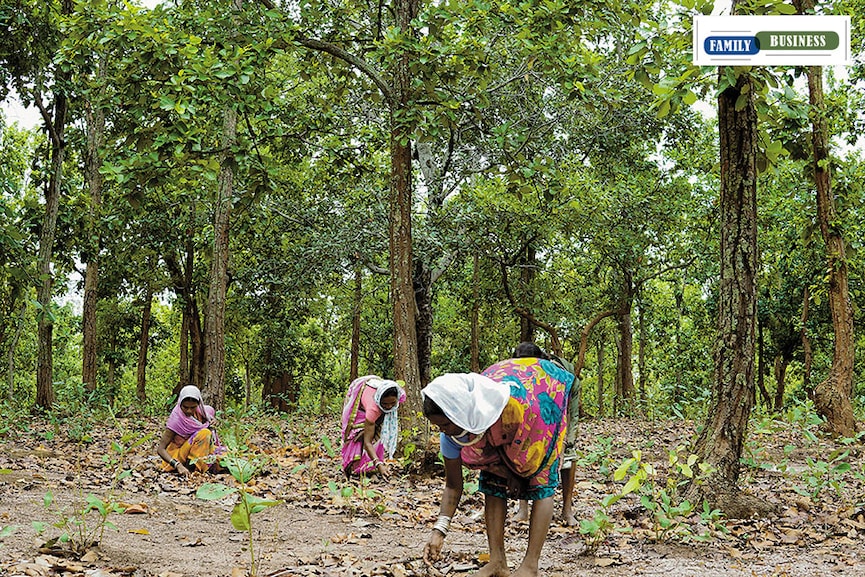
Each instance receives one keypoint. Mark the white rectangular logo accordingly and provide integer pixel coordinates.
(771, 40)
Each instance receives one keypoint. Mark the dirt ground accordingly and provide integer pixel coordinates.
(323, 527)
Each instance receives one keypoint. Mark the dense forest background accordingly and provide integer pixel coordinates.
(267, 200)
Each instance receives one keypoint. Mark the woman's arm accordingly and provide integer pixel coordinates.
(369, 447)
(450, 499)
(162, 451)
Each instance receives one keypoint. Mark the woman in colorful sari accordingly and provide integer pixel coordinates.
(370, 425)
(189, 437)
(510, 423)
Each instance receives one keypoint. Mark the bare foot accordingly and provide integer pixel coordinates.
(493, 570)
(568, 519)
(523, 572)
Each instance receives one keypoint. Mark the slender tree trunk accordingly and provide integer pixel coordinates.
(197, 348)
(215, 324)
(355, 325)
(45, 358)
(680, 314)
(720, 442)
(761, 367)
(111, 377)
(424, 319)
(144, 339)
(806, 342)
(624, 363)
(528, 268)
(13, 346)
(833, 396)
(95, 137)
(641, 354)
(781, 364)
(400, 235)
(600, 390)
(475, 353)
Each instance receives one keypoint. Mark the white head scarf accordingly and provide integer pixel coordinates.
(390, 425)
(190, 392)
(471, 401)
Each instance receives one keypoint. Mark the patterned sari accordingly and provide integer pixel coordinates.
(527, 440)
(361, 404)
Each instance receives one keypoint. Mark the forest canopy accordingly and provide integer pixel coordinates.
(268, 199)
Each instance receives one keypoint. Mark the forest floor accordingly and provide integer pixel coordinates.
(324, 526)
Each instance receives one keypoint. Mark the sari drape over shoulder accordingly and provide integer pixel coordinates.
(363, 403)
(194, 439)
(528, 437)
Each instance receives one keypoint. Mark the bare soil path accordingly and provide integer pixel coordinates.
(324, 527)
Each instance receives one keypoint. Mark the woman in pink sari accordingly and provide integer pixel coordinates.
(370, 425)
(189, 437)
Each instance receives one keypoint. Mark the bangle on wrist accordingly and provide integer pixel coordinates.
(174, 463)
(376, 463)
(442, 525)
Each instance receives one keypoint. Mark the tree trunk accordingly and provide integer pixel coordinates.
(13, 345)
(400, 236)
(832, 397)
(641, 354)
(45, 358)
(422, 284)
(624, 365)
(355, 325)
(761, 367)
(215, 324)
(781, 363)
(475, 352)
(600, 378)
(720, 443)
(144, 339)
(93, 162)
(528, 268)
(806, 342)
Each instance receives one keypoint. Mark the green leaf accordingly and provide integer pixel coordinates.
(7, 530)
(622, 470)
(258, 504)
(632, 485)
(240, 517)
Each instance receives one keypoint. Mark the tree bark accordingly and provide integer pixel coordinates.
(720, 443)
(624, 365)
(781, 363)
(833, 396)
(400, 234)
(528, 271)
(806, 342)
(422, 283)
(600, 391)
(44, 293)
(13, 345)
(143, 341)
(475, 353)
(761, 367)
(215, 324)
(354, 361)
(95, 118)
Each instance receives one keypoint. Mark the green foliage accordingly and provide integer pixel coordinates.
(243, 463)
(82, 525)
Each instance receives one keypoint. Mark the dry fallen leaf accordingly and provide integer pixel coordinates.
(136, 509)
(140, 531)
